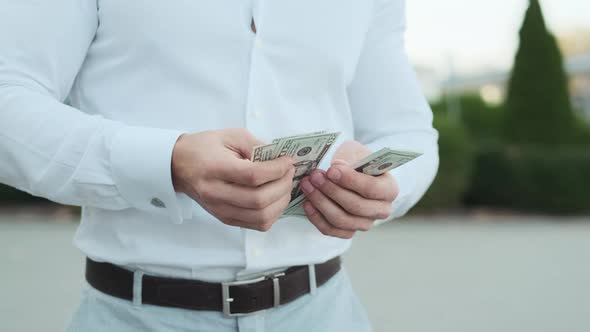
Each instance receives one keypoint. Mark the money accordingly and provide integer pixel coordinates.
(309, 150)
(376, 164)
(276, 140)
(306, 150)
(264, 152)
(383, 161)
(295, 208)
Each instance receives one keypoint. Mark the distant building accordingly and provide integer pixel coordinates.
(575, 41)
(429, 82)
(492, 85)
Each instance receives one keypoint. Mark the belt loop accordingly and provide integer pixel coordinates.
(312, 280)
(137, 287)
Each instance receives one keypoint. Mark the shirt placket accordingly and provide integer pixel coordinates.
(253, 240)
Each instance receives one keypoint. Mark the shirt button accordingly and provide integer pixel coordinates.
(256, 114)
(258, 43)
(257, 252)
(158, 203)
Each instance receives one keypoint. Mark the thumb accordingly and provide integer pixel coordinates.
(241, 141)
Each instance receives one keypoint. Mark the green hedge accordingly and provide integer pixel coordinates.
(532, 178)
(581, 133)
(481, 121)
(9, 195)
(456, 158)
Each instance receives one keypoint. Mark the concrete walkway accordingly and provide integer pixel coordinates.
(436, 275)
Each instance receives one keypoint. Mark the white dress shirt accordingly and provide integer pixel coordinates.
(139, 73)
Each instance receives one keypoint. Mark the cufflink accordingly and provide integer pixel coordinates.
(158, 203)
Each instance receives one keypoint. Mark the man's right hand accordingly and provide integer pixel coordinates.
(215, 170)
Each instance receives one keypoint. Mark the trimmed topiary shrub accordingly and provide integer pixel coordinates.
(538, 107)
(456, 159)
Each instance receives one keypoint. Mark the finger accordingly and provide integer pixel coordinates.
(247, 197)
(258, 219)
(241, 141)
(235, 223)
(350, 201)
(316, 218)
(340, 162)
(251, 174)
(382, 187)
(241, 224)
(332, 212)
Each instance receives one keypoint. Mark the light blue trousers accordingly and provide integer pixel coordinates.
(334, 307)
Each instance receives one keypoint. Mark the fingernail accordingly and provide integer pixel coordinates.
(307, 187)
(309, 209)
(318, 179)
(334, 174)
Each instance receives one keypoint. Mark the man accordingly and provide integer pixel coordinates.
(172, 206)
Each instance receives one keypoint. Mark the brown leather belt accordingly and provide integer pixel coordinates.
(232, 298)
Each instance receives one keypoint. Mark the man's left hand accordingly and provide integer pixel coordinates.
(343, 201)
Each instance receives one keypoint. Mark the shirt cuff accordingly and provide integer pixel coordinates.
(406, 185)
(141, 160)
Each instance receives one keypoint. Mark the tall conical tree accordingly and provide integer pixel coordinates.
(538, 108)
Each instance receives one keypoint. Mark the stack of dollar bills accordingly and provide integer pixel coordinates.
(308, 150)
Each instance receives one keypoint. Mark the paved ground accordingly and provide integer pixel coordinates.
(446, 274)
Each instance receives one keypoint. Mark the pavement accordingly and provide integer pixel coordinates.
(419, 274)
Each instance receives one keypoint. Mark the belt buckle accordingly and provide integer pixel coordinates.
(226, 300)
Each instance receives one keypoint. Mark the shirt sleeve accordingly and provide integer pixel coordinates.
(388, 107)
(55, 151)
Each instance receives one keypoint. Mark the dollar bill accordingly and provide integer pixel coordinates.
(383, 161)
(376, 164)
(263, 152)
(277, 140)
(295, 207)
(307, 151)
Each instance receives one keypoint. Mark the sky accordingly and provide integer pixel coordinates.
(472, 36)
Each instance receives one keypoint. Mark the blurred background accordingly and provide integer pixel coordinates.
(501, 242)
